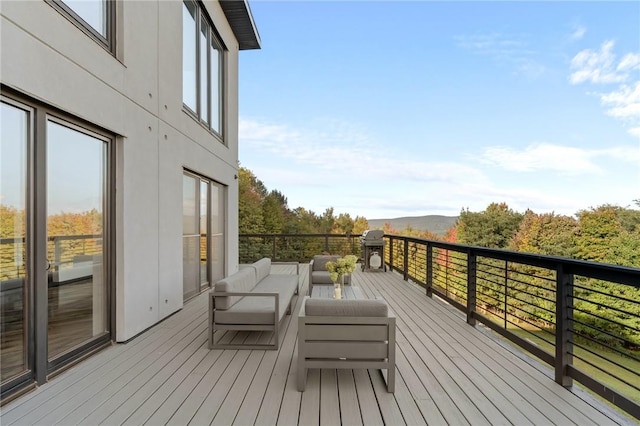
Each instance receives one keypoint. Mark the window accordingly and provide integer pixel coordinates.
(94, 17)
(201, 66)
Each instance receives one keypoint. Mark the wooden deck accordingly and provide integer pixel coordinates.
(447, 373)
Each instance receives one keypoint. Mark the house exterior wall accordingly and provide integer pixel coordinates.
(137, 95)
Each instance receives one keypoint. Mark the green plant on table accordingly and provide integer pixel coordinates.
(342, 266)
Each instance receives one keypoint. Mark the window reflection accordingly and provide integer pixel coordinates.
(13, 163)
(77, 296)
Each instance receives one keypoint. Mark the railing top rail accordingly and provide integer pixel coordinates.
(614, 273)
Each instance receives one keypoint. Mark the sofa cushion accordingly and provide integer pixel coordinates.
(242, 281)
(320, 261)
(262, 268)
(282, 283)
(346, 308)
(253, 310)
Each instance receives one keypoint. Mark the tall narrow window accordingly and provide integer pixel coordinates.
(204, 71)
(189, 44)
(202, 66)
(215, 56)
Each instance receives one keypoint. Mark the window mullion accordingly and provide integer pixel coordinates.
(209, 100)
(198, 59)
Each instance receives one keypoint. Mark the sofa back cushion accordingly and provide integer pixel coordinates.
(244, 280)
(346, 307)
(262, 268)
(320, 261)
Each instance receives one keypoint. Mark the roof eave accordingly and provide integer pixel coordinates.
(239, 15)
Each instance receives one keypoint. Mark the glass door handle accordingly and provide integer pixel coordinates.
(48, 264)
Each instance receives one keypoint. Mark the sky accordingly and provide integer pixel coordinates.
(386, 109)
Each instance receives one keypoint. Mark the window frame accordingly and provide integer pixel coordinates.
(106, 41)
(214, 43)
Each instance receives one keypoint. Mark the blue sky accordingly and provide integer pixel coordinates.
(385, 109)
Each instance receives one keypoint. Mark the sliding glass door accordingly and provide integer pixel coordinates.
(54, 276)
(76, 182)
(202, 233)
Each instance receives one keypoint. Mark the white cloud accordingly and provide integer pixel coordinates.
(339, 144)
(635, 131)
(512, 49)
(578, 32)
(494, 44)
(623, 103)
(564, 160)
(339, 165)
(597, 66)
(600, 67)
(630, 61)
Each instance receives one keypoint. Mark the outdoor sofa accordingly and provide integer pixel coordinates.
(251, 299)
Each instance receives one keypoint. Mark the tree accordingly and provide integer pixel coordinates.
(360, 225)
(491, 228)
(275, 212)
(597, 228)
(250, 197)
(547, 233)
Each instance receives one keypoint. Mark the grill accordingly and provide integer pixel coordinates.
(373, 250)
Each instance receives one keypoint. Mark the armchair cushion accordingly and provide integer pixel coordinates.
(346, 308)
(320, 261)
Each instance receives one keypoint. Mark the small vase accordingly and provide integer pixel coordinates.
(338, 288)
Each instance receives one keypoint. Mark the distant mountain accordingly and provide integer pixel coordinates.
(433, 223)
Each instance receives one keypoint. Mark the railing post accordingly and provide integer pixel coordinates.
(471, 287)
(57, 251)
(429, 278)
(273, 249)
(506, 289)
(564, 326)
(405, 261)
(391, 253)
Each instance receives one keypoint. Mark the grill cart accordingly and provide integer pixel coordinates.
(373, 250)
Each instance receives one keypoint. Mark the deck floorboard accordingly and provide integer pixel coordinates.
(447, 373)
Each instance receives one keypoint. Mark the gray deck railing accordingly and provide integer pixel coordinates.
(582, 318)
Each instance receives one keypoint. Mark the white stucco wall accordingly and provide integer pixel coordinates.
(137, 96)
